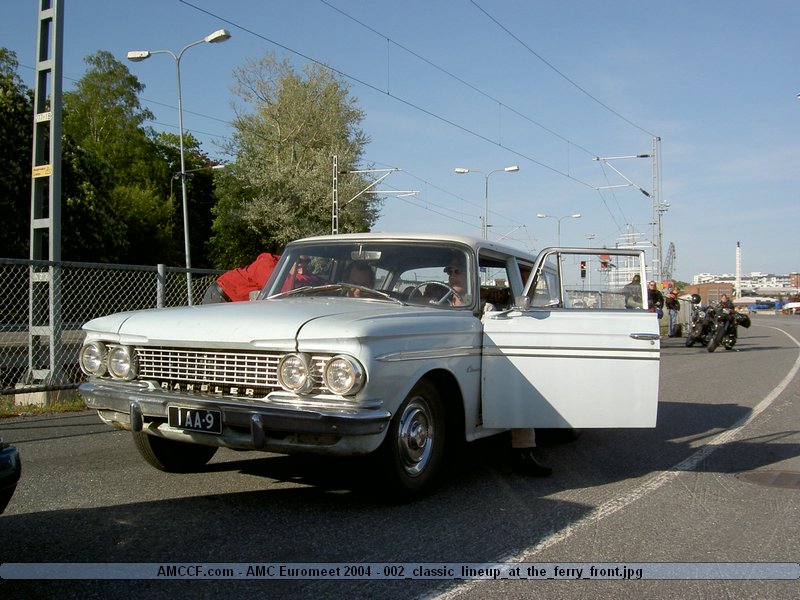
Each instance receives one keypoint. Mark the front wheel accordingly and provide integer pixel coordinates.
(412, 454)
(716, 338)
(171, 456)
(730, 341)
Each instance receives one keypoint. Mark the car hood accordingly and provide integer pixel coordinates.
(276, 323)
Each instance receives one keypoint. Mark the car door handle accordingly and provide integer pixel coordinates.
(645, 336)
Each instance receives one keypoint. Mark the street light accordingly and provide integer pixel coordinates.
(508, 169)
(191, 172)
(559, 219)
(220, 35)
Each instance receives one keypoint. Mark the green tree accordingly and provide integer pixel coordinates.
(16, 132)
(279, 187)
(200, 193)
(103, 114)
(105, 119)
(91, 230)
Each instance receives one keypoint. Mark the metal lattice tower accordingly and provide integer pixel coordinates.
(669, 262)
(45, 321)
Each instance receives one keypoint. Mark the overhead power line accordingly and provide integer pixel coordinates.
(559, 72)
(408, 103)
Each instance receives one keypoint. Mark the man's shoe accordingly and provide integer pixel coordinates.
(525, 463)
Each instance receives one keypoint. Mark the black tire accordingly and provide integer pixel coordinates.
(5, 497)
(689, 341)
(717, 338)
(411, 457)
(171, 456)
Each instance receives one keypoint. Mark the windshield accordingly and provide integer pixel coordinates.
(413, 272)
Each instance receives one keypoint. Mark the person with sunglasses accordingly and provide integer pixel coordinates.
(457, 280)
(655, 299)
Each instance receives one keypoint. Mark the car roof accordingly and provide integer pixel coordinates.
(467, 240)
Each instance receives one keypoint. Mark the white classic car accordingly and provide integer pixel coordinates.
(391, 345)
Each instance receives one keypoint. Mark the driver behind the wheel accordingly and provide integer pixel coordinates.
(457, 278)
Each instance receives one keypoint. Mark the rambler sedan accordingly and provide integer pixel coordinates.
(395, 346)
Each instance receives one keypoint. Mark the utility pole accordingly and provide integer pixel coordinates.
(335, 206)
(659, 208)
(45, 322)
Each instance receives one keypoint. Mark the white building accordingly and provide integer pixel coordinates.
(754, 283)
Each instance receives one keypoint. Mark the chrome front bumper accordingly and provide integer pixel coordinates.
(248, 424)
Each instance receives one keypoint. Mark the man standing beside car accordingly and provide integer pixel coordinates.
(672, 305)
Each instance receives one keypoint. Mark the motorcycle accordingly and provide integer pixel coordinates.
(724, 328)
(700, 323)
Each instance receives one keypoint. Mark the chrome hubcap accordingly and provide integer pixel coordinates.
(415, 436)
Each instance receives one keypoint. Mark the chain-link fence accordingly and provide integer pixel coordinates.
(44, 304)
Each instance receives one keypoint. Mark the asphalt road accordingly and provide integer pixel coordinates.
(718, 480)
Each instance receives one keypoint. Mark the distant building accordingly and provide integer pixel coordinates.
(756, 283)
(709, 292)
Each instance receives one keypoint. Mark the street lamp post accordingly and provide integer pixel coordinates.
(218, 36)
(508, 169)
(177, 175)
(559, 219)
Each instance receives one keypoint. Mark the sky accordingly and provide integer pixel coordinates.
(547, 86)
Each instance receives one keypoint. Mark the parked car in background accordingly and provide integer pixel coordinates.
(10, 471)
(443, 339)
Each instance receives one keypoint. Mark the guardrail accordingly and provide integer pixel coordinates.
(85, 291)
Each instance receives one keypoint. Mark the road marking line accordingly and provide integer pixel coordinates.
(653, 483)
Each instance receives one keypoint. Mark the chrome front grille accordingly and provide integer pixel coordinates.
(223, 368)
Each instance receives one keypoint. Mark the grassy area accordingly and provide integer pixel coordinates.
(65, 401)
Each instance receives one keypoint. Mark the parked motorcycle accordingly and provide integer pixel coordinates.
(700, 323)
(724, 328)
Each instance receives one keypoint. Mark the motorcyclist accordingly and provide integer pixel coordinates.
(726, 319)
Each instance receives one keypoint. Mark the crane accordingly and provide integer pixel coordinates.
(669, 261)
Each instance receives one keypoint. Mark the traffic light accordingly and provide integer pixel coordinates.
(583, 269)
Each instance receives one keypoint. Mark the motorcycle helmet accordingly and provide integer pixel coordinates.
(696, 299)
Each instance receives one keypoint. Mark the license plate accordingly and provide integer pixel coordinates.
(195, 419)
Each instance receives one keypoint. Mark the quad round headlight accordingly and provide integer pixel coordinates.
(122, 362)
(344, 375)
(93, 359)
(294, 373)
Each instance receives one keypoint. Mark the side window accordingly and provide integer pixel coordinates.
(545, 290)
(495, 284)
(574, 280)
